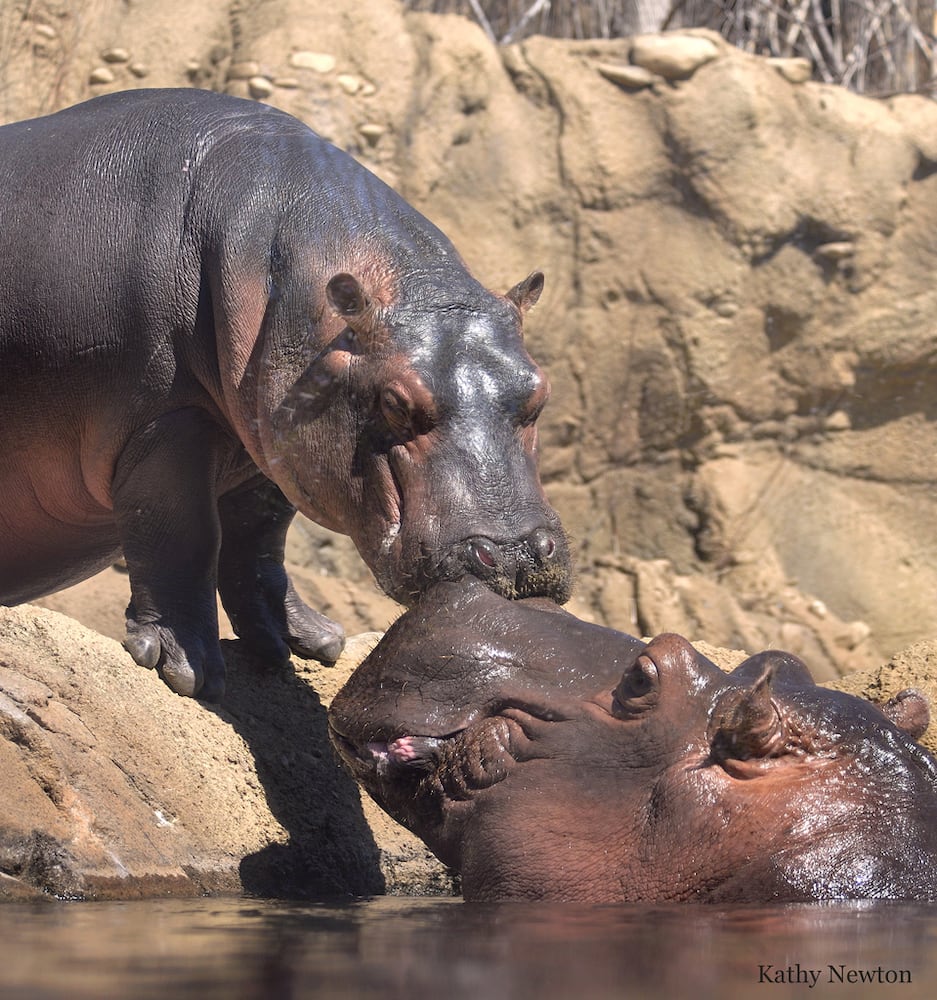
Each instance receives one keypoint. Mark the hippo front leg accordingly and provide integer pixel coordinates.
(165, 508)
(265, 610)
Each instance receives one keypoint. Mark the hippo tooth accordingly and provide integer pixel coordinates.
(379, 757)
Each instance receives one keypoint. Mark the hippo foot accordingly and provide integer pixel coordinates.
(273, 629)
(187, 666)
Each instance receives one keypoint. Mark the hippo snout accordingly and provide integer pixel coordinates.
(536, 565)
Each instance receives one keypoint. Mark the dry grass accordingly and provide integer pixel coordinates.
(877, 47)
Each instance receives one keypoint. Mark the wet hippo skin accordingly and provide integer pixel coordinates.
(546, 758)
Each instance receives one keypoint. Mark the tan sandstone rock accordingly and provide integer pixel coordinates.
(114, 787)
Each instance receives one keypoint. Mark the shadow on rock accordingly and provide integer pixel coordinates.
(328, 848)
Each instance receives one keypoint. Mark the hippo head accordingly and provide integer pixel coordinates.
(414, 432)
(543, 757)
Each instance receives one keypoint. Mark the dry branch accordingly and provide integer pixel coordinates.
(875, 46)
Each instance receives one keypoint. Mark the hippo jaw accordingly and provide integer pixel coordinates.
(431, 783)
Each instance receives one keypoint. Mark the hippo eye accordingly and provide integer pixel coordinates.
(638, 687)
(536, 401)
(642, 677)
(396, 411)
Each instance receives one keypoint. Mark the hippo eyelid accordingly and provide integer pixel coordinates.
(537, 399)
(408, 414)
(643, 675)
(394, 407)
(638, 689)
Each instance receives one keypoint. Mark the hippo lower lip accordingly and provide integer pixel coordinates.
(401, 753)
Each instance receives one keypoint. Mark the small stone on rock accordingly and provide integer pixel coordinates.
(319, 62)
(674, 57)
(116, 56)
(371, 131)
(101, 75)
(243, 70)
(633, 77)
(836, 251)
(838, 421)
(797, 70)
(259, 87)
(350, 84)
(855, 634)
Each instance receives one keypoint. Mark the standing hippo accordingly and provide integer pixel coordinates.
(210, 317)
(546, 758)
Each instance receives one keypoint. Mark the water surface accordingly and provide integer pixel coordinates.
(448, 950)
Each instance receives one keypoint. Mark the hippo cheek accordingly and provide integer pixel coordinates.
(309, 461)
(560, 830)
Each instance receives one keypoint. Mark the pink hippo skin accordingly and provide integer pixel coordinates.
(210, 317)
(546, 758)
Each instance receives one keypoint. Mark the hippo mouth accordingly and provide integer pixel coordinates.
(455, 765)
(537, 565)
(534, 566)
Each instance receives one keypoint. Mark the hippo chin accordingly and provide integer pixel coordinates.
(546, 758)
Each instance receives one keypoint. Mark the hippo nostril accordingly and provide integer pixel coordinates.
(542, 543)
(485, 553)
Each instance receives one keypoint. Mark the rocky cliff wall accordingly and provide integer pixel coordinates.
(739, 314)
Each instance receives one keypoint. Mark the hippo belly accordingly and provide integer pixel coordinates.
(54, 533)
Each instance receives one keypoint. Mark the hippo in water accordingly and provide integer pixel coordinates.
(546, 758)
(210, 317)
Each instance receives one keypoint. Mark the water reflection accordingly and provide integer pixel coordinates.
(387, 948)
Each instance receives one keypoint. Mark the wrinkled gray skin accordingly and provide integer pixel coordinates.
(210, 317)
(546, 758)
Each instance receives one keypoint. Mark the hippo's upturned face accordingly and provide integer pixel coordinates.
(543, 757)
(414, 432)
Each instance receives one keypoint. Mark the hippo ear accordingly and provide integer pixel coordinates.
(909, 710)
(350, 301)
(747, 724)
(526, 293)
